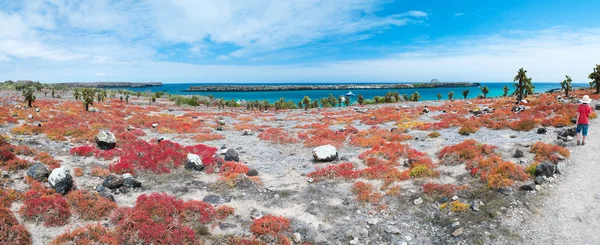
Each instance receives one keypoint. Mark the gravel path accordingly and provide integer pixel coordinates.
(571, 213)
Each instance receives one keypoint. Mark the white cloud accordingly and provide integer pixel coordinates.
(548, 55)
(259, 26)
(223, 57)
(459, 14)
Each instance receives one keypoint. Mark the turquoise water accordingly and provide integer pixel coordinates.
(271, 96)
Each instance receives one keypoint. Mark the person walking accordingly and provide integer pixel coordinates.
(583, 114)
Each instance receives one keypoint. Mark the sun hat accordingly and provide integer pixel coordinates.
(586, 99)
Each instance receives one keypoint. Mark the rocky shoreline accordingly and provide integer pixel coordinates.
(113, 84)
(243, 88)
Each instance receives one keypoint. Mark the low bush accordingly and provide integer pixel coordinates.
(51, 209)
(11, 232)
(549, 152)
(8, 196)
(223, 212)
(277, 136)
(365, 193)
(434, 134)
(83, 151)
(98, 171)
(90, 234)
(342, 171)
(465, 152)
(90, 205)
(269, 225)
(456, 206)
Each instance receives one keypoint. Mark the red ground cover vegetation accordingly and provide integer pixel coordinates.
(549, 152)
(366, 193)
(159, 157)
(277, 136)
(90, 234)
(90, 205)
(11, 232)
(41, 204)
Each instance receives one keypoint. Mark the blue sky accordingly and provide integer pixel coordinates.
(297, 41)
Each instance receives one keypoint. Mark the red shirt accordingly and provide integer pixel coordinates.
(584, 111)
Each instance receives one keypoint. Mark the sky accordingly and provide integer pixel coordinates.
(237, 41)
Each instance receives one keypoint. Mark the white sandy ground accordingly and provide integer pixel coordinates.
(570, 214)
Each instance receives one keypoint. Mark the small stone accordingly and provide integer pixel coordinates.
(113, 181)
(37, 109)
(354, 241)
(296, 237)
(542, 130)
(538, 187)
(392, 229)
(223, 147)
(506, 191)
(455, 224)
(454, 198)
(597, 196)
(372, 221)
(5, 175)
(132, 183)
(221, 122)
(458, 232)
(154, 125)
(475, 206)
(418, 201)
(255, 214)
(232, 155)
(539, 180)
(528, 187)
(545, 169)
(194, 162)
(252, 172)
(518, 153)
(219, 128)
(310, 180)
(214, 199)
(30, 116)
(247, 132)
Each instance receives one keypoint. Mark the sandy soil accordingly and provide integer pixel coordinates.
(570, 213)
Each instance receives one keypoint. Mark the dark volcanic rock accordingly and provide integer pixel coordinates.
(105, 140)
(113, 181)
(214, 199)
(518, 153)
(545, 169)
(539, 180)
(252, 172)
(528, 187)
(542, 130)
(232, 155)
(38, 172)
(132, 183)
(568, 132)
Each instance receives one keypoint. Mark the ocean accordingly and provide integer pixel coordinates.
(297, 95)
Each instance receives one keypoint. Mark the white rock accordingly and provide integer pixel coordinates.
(325, 153)
(127, 176)
(354, 241)
(418, 201)
(392, 229)
(30, 116)
(57, 175)
(154, 125)
(454, 198)
(296, 237)
(247, 132)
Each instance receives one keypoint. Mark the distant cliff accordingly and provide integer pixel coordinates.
(113, 84)
(245, 88)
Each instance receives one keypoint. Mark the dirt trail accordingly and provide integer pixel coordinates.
(571, 212)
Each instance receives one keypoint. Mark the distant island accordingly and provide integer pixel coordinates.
(112, 84)
(251, 88)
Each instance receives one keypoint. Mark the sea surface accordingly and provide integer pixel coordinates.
(297, 95)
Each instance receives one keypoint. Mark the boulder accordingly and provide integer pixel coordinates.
(518, 153)
(545, 169)
(568, 132)
(252, 172)
(598, 107)
(113, 181)
(38, 172)
(105, 140)
(232, 155)
(325, 153)
(528, 187)
(131, 182)
(539, 180)
(194, 162)
(542, 130)
(60, 179)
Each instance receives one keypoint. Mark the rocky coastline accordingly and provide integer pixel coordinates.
(245, 88)
(112, 84)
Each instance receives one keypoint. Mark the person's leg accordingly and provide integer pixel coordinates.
(578, 130)
(584, 133)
